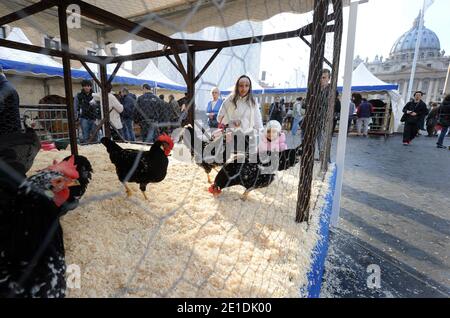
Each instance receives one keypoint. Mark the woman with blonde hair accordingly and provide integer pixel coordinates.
(213, 108)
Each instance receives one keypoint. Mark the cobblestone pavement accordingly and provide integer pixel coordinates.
(395, 214)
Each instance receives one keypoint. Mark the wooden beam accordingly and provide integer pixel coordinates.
(62, 19)
(313, 111)
(191, 87)
(88, 69)
(173, 63)
(212, 58)
(50, 52)
(105, 100)
(181, 67)
(309, 45)
(27, 11)
(180, 49)
(116, 21)
(116, 69)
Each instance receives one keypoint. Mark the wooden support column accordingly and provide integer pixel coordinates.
(313, 110)
(326, 155)
(64, 35)
(105, 100)
(191, 86)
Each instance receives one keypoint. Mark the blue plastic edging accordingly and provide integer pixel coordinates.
(320, 251)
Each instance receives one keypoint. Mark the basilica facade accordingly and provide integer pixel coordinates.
(432, 65)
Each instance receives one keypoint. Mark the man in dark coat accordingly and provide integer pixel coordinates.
(85, 111)
(413, 112)
(444, 120)
(276, 110)
(9, 107)
(148, 113)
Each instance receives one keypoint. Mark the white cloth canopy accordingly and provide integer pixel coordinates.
(364, 81)
(17, 35)
(151, 72)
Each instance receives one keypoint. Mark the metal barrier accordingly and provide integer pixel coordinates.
(49, 120)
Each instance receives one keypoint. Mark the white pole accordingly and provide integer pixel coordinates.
(343, 123)
(416, 53)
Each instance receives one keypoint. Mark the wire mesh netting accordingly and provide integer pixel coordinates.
(239, 236)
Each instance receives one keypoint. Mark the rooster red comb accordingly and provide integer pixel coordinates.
(166, 138)
(68, 168)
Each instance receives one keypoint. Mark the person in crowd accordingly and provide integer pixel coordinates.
(9, 106)
(432, 120)
(297, 114)
(128, 102)
(183, 103)
(161, 97)
(148, 113)
(212, 110)
(240, 113)
(277, 110)
(175, 109)
(364, 114)
(273, 139)
(444, 120)
(337, 112)
(351, 116)
(115, 109)
(421, 123)
(324, 96)
(240, 109)
(85, 111)
(412, 114)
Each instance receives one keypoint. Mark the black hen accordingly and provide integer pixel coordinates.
(19, 149)
(142, 167)
(32, 257)
(254, 175)
(209, 154)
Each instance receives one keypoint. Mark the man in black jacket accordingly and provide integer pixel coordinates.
(413, 112)
(85, 111)
(444, 120)
(148, 113)
(9, 106)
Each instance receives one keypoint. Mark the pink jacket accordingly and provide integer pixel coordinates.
(279, 145)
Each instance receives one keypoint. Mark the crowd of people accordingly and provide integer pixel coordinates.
(239, 110)
(150, 112)
(416, 114)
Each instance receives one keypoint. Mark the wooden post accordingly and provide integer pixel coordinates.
(105, 100)
(313, 109)
(191, 86)
(63, 32)
(326, 155)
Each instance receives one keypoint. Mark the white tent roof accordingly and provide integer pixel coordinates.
(364, 80)
(151, 72)
(17, 35)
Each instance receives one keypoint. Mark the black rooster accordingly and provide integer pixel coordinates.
(32, 256)
(141, 167)
(254, 175)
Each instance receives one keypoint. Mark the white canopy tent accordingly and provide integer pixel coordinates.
(160, 80)
(363, 81)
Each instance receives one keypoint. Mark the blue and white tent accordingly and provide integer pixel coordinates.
(40, 65)
(159, 80)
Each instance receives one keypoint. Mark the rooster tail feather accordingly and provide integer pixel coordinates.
(110, 145)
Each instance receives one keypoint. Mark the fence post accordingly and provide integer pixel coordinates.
(313, 110)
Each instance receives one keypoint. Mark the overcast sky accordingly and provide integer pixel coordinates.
(380, 23)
